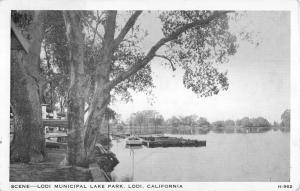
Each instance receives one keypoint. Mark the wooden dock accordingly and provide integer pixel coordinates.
(164, 141)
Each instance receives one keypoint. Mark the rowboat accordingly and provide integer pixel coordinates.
(134, 141)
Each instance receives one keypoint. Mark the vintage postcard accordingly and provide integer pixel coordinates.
(163, 95)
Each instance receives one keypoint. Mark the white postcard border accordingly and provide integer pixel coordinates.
(288, 5)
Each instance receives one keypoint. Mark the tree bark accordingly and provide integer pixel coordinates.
(82, 135)
(76, 154)
(29, 143)
(101, 97)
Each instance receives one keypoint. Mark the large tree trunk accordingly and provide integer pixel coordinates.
(101, 97)
(76, 154)
(94, 123)
(29, 143)
(82, 135)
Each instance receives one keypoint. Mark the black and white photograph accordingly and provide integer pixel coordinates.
(150, 95)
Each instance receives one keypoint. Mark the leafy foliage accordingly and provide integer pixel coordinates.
(55, 65)
(189, 120)
(253, 122)
(202, 122)
(285, 118)
(125, 55)
(146, 118)
(22, 19)
(54, 62)
(199, 49)
(174, 121)
(229, 123)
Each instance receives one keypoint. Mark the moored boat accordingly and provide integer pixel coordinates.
(56, 140)
(134, 141)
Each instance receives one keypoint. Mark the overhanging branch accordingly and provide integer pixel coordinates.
(168, 59)
(140, 64)
(129, 24)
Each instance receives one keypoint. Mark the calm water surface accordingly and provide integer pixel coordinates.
(226, 157)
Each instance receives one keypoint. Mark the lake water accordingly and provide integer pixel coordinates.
(226, 157)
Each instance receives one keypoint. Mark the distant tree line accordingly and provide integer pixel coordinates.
(146, 118)
(152, 121)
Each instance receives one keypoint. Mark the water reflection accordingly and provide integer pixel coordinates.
(227, 157)
(131, 150)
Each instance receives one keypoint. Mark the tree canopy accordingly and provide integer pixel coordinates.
(146, 118)
(285, 118)
(193, 40)
(90, 58)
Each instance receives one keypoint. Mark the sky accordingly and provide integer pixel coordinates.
(259, 76)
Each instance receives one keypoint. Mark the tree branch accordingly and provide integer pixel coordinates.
(140, 64)
(168, 59)
(49, 29)
(204, 22)
(130, 23)
(87, 109)
(95, 29)
(96, 32)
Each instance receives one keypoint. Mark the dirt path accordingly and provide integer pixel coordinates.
(49, 170)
